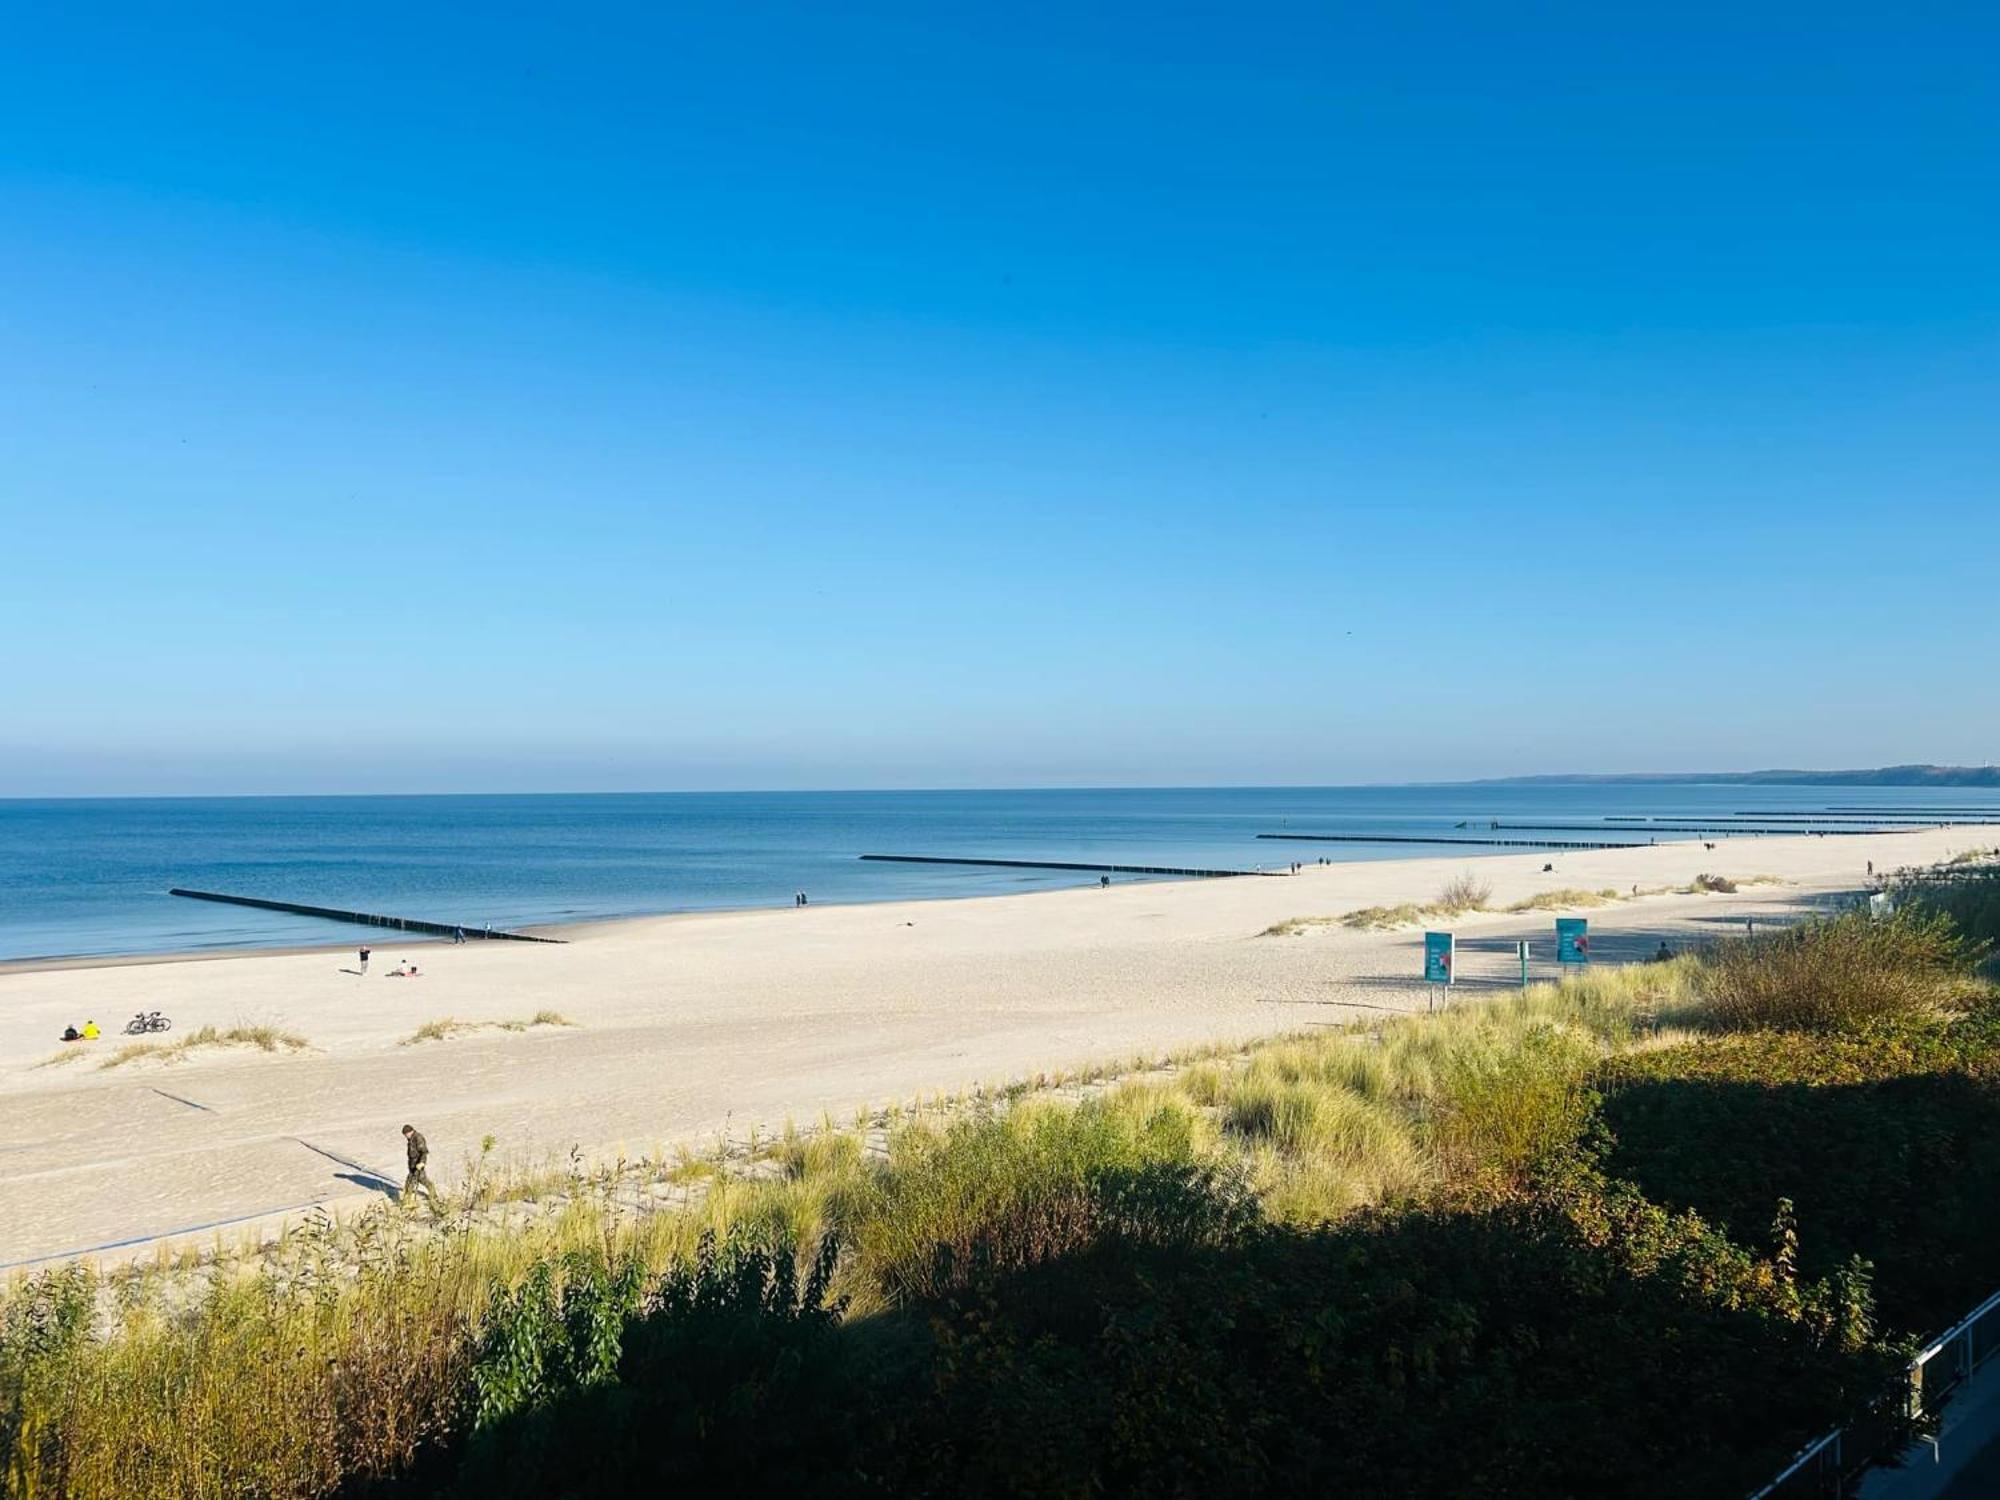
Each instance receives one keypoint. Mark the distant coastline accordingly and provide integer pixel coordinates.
(1881, 776)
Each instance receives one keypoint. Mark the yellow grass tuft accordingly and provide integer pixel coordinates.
(263, 1038)
(1564, 899)
(446, 1027)
(1380, 918)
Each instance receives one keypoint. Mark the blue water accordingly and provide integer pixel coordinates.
(89, 877)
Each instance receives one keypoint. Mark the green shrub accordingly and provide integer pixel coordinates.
(1887, 1139)
(558, 1331)
(1462, 893)
(1968, 897)
(1838, 972)
(688, 1377)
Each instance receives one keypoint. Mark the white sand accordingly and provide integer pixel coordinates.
(690, 1025)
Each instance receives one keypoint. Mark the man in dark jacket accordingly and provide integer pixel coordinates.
(419, 1151)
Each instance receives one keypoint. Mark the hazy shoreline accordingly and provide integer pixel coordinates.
(88, 881)
(565, 931)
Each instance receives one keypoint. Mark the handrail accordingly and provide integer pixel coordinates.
(1913, 1375)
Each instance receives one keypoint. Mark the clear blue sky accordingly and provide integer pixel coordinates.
(436, 397)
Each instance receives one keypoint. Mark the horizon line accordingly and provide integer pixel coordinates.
(1687, 777)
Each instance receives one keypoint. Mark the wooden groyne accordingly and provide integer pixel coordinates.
(1970, 811)
(1062, 864)
(1878, 817)
(1723, 828)
(1734, 819)
(364, 918)
(1410, 838)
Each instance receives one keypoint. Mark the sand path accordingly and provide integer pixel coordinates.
(690, 1025)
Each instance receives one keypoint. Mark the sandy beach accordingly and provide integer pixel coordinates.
(687, 1026)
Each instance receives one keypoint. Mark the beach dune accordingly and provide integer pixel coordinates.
(684, 1027)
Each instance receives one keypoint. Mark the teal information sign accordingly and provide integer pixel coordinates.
(1439, 949)
(1572, 940)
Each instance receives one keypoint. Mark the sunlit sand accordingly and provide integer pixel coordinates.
(685, 1026)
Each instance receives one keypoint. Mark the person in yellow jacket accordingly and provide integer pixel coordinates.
(90, 1031)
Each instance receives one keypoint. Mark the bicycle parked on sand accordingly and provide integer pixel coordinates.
(147, 1020)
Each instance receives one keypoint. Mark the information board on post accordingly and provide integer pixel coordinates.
(1440, 948)
(1572, 940)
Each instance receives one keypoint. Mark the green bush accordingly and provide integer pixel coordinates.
(1839, 972)
(1968, 897)
(558, 1331)
(1887, 1140)
(727, 1355)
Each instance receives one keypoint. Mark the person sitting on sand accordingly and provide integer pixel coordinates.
(404, 970)
(70, 1034)
(90, 1031)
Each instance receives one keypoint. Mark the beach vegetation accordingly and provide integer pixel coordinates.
(1565, 898)
(1380, 918)
(1967, 895)
(1297, 926)
(1405, 1256)
(262, 1037)
(1464, 892)
(446, 1027)
(1841, 972)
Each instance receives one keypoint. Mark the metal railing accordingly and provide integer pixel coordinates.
(1824, 1469)
(1949, 1362)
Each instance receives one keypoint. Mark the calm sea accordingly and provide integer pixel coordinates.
(89, 877)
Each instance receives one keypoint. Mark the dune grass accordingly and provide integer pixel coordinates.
(1381, 918)
(1725, 885)
(1296, 926)
(263, 1038)
(446, 1027)
(1565, 898)
(1464, 892)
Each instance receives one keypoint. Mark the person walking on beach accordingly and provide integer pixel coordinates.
(458, 934)
(419, 1151)
(364, 959)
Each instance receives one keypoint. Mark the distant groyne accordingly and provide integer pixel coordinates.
(1410, 838)
(1060, 864)
(364, 918)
